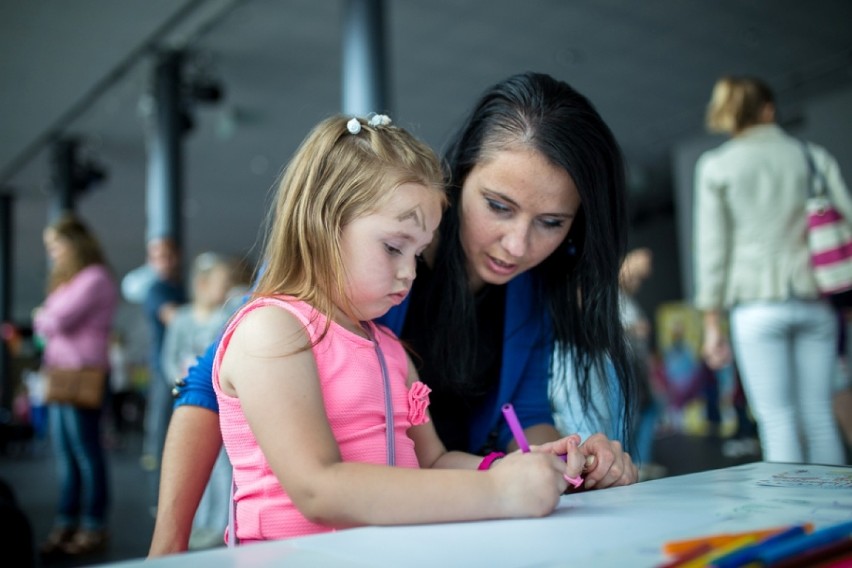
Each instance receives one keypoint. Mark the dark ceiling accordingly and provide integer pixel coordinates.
(83, 68)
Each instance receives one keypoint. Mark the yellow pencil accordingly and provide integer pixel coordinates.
(715, 553)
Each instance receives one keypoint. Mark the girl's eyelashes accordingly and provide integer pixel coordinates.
(401, 251)
(392, 250)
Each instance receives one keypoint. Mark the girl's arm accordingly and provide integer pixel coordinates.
(280, 394)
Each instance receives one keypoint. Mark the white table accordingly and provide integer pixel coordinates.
(623, 526)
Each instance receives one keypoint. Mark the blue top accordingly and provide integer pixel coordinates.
(524, 373)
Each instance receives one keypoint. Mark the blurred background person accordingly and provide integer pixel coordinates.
(192, 329)
(635, 269)
(75, 322)
(119, 390)
(162, 299)
(752, 259)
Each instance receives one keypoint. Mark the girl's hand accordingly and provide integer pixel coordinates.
(528, 485)
(568, 447)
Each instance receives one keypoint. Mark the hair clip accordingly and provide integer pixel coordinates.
(353, 126)
(379, 120)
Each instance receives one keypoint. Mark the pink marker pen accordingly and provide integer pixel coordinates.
(521, 439)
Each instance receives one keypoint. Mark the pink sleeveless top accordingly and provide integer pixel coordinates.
(353, 395)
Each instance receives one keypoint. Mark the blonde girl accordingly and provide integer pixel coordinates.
(321, 410)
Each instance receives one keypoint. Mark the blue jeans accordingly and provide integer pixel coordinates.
(81, 463)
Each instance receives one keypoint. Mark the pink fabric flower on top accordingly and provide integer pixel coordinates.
(418, 402)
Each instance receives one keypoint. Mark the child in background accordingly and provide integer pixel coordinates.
(635, 269)
(197, 324)
(194, 327)
(304, 379)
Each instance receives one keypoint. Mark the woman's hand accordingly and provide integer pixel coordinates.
(528, 484)
(716, 349)
(606, 463)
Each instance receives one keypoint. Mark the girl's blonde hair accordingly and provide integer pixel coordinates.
(737, 103)
(335, 177)
(85, 249)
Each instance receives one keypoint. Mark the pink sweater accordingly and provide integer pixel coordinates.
(353, 393)
(76, 319)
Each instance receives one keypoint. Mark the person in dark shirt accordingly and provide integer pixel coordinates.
(162, 300)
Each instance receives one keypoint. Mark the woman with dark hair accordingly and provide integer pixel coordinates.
(75, 322)
(556, 275)
(526, 258)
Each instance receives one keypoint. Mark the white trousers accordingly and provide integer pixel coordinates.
(787, 356)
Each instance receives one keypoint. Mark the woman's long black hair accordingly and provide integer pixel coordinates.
(578, 283)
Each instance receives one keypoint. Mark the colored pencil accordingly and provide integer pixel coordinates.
(841, 549)
(677, 547)
(691, 554)
(798, 545)
(718, 551)
(748, 554)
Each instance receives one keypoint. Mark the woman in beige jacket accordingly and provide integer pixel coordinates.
(752, 259)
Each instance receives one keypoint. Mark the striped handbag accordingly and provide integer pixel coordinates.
(829, 237)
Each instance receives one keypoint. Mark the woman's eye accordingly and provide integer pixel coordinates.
(496, 206)
(553, 223)
(392, 250)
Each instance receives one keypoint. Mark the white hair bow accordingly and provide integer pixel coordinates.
(379, 120)
(353, 126)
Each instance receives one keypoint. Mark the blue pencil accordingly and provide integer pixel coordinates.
(790, 547)
(750, 552)
(835, 551)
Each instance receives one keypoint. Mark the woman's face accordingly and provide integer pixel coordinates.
(58, 248)
(516, 209)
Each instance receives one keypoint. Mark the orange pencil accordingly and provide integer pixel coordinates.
(691, 554)
(679, 547)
